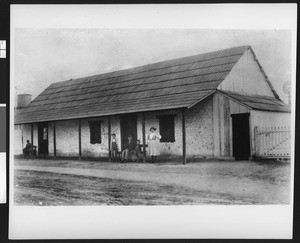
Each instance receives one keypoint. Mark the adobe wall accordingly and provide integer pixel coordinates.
(199, 134)
(199, 130)
(22, 133)
(18, 140)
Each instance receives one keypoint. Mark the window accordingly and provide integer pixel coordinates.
(166, 128)
(2, 49)
(95, 132)
(45, 133)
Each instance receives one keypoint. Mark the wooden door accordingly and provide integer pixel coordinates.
(241, 136)
(128, 127)
(43, 139)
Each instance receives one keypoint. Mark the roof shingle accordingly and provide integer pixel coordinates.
(169, 84)
(258, 102)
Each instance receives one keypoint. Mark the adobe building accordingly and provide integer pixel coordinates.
(204, 106)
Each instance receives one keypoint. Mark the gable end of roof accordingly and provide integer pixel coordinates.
(264, 73)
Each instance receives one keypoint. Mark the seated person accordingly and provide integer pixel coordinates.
(128, 149)
(137, 152)
(28, 148)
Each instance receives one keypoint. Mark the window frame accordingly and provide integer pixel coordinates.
(93, 125)
(171, 138)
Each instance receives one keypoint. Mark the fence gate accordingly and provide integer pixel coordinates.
(273, 142)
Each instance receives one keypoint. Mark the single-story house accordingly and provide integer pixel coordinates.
(204, 106)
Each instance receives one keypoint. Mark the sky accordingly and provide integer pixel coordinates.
(44, 56)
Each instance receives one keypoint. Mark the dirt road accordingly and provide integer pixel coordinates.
(61, 182)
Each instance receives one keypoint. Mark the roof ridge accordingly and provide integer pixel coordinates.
(160, 62)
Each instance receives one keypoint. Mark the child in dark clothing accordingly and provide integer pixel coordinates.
(128, 149)
(137, 153)
(114, 147)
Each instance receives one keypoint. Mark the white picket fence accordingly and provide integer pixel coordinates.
(273, 142)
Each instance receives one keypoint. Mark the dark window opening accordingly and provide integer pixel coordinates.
(167, 128)
(95, 132)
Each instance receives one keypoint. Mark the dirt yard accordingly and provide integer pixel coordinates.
(63, 182)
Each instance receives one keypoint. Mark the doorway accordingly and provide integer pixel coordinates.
(241, 136)
(128, 127)
(43, 139)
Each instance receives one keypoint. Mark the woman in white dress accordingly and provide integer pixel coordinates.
(153, 143)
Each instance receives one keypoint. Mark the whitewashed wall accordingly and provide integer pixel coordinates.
(22, 133)
(18, 140)
(199, 134)
(94, 150)
(199, 138)
(67, 138)
(199, 130)
(35, 136)
(246, 77)
(50, 138)
(115, 128)
(168, 150)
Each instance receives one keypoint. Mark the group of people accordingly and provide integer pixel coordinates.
(132, 149)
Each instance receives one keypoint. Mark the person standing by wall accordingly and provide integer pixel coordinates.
(114, 147)
(153, 144)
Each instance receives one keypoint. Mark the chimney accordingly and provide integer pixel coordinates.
(23, 100)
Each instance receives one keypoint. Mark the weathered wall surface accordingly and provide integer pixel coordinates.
(18, 140)
(269, 119)
(35, 136)
(199, 133)
(246, 77)
(67, 138)
(22, 133)
(168, 150)
(223, 107)
(199, 136)
(94, 150)
(199, 130)
(50, 138)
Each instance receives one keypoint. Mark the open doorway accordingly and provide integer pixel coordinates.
(241, 136)
(43, 139)
(128, 127)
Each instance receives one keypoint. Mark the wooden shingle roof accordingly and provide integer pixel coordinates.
(169, 84)
(259, 102)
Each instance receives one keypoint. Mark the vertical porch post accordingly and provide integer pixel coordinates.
(32, 138)
(109, 139)
(54, 139)
(21, 127)
(79, 137)
(183, 138)
(144, 137)
(32, 134)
